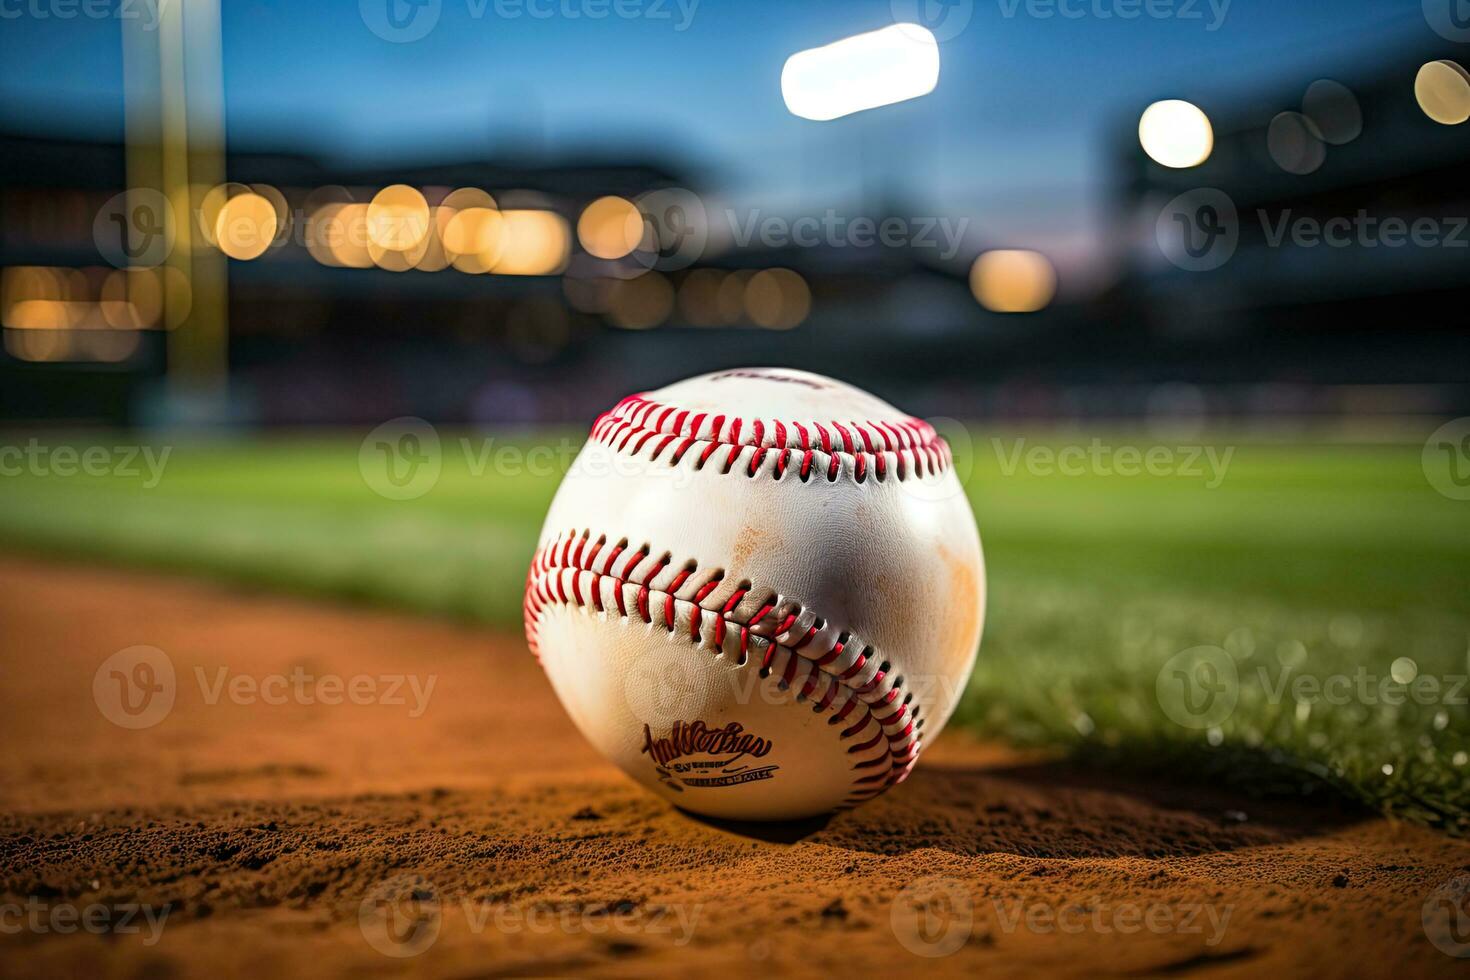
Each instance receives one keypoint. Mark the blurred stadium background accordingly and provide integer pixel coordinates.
(1028, 143)
(252, 232)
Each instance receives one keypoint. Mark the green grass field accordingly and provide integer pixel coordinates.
(1335, 580)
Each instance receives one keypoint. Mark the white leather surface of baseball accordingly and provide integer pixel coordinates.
(759, 592)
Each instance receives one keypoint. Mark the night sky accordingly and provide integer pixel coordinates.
(1015, 135)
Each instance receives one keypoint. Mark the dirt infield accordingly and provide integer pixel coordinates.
(457, 825)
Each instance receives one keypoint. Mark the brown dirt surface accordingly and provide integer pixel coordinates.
(482, 837)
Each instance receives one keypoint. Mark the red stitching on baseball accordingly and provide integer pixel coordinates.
(911, 442)
(708, 587)
(900, 749)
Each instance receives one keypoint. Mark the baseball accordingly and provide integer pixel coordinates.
(759, 592)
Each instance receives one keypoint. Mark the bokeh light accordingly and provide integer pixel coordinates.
(777, 299)
(394, 260)
(40, 314)
(350, 239)
(210, 205)
(1176, 134)
(1013, 281)
(337, 236)
(398, 218)
(28, 284)
(282, 208)
(1334, 110)
(588, 294)
(463, 198)
(637, 304)
(1442, 89)
(610, 227)
(866, 71)
(1295, 143)
(35, 345)
(730, 298)
(106, 346)
(474, 239)
(699, 297)
(537, 243)
(53, 313)
(433, 257)
(132, 298)
(246, 226)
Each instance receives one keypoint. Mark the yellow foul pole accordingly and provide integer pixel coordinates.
(175, 147)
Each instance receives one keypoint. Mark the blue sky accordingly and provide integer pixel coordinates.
(1015, 135)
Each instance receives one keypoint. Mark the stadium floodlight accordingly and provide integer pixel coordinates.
(1176, 134)
(861, 72)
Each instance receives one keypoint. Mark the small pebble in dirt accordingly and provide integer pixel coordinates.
(835, 910)
(586, 813)
(1236, 816)
(1341, 881)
